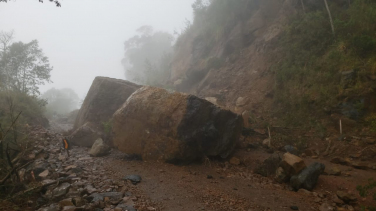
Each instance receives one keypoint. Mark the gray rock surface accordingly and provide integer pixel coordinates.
(307, 178)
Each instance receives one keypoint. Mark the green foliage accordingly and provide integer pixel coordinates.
(60, 101)
(311, 61)
(371, 120)
(107, 127)
(23, 66)
(147, 57)
(365, 190)
(13, 103)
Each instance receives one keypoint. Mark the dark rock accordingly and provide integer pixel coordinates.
(99, 148)
(174, 127)
(307, 178)
(209, 177)
(61, 190)
(294, 208)
(133, 178)
(269, 166)
(291, 149)
(113, 196)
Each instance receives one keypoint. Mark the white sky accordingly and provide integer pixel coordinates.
(84, 38)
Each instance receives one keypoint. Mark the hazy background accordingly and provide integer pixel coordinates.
(84, 38)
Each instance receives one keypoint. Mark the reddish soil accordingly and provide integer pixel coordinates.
(232, 187)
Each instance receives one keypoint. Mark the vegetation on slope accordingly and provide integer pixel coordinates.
(317, 71)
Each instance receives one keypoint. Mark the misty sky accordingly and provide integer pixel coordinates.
(84, 38)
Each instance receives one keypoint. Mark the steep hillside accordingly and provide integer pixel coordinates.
(280, 61)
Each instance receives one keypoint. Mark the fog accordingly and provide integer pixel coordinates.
(85, 38)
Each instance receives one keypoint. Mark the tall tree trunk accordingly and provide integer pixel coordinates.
(303, 5)
(330, 16)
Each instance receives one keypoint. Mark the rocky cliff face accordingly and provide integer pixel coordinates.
(235, 65)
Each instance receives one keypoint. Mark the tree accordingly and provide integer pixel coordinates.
(5, 41)
(24, 67)
(60, 101)
(57, 3)
(147, 56)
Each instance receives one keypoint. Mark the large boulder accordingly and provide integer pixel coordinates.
(174, 127)
(307, 178)
(106, 95)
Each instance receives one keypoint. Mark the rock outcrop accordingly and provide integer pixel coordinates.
(106, 95)
(174, 127)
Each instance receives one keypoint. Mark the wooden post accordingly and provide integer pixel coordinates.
(270, 138)
(303, 5)
(340, 126)
(330, 17)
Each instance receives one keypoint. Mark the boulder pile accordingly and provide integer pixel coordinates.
(292, 169)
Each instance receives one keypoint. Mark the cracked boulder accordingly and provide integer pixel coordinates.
(174, 127)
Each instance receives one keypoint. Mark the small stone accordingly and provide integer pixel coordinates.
(326, 207)
(78, 201)
(133, 178)
(99, 148)
(235, 161)
(209, 177)
(294, 208)
(61, 190)
(291, 149)
(44, 173)
(151, 208)
(333, 171)
(269, 166)
(317, 200)
(281, 176)
(266, 142)
(346, 197)
(304, 191)
(66, 202)
(371, 141)
(69, 208)
(241, 101)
